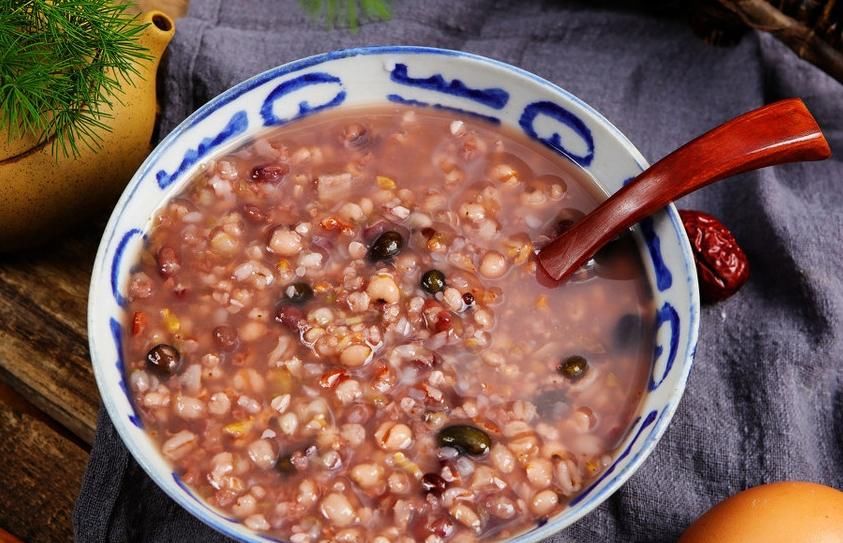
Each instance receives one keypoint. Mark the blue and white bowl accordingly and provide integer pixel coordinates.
(434, 78)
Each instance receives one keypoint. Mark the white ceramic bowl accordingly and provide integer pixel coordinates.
(431, 78)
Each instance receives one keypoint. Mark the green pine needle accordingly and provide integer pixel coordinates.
(61, 63)
(331, 11)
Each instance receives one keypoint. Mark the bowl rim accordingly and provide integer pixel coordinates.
(187, 500)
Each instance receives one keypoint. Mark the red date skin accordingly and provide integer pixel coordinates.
(722, 266)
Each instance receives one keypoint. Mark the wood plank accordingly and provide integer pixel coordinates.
(41, 475)
(43, 342)
(15, 401)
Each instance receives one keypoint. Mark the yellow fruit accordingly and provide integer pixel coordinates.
(786, 512)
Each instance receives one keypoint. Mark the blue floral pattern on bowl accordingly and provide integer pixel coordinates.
(425, 77)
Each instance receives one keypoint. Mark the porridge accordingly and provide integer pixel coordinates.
(335, 332)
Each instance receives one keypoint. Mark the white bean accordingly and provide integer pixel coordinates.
(280, 403)
(251, 331)
(179, 445)
(139, 381)
(285, 242)
(308, 493)
(288, 423)
(501, 507)
(399, 482)
(244, 506)
(502, 458)
(354, 434)
(261, 453)
(358, 302)
(355, 355)
(224, 244)
(453, 298)
(544, 502)
(352, 212)
(395, 437)
(492, 265)
(493, 358)
(189, 408)
(473, 212)
(348, 391)
(336, 508)
(540, 472)
(419, 220)
(466, 516)
(331, 460)
(356, 250)
(367, 475)
(383, 287)
(257, 522)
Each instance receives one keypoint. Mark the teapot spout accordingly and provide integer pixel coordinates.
(158, 33)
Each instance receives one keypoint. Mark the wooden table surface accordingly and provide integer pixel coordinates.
(48, 397)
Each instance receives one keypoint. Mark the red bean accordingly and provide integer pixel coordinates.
(433, 483)
(225, 337)
(442, 527)
(271, 173)
(291, 317)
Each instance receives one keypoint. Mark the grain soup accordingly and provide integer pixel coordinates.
(336, 332)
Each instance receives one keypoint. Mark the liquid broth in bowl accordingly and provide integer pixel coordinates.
(336, 332)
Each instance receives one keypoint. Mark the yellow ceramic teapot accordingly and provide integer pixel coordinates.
(41, 195)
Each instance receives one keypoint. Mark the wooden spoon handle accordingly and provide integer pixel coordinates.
(777, 133)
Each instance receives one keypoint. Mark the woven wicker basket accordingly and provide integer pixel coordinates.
(813, 29)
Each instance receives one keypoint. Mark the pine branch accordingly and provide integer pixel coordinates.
(62, 65)
(348, 13)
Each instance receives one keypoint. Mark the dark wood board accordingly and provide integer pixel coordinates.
(42, 471)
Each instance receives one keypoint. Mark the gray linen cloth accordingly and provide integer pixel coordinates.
(765, 397)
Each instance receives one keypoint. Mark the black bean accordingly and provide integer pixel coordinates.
(433, 483)
(225, 337)
(298, 293)
(627, 332)
(433, 281)
(573, 368)
(468, 299)
(164, 359)
(466, 439)
(386, 246)
(284, 465)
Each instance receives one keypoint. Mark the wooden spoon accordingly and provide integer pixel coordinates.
(777, 133)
